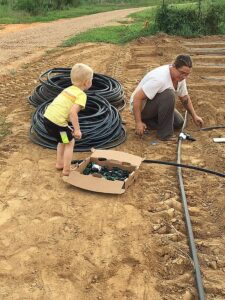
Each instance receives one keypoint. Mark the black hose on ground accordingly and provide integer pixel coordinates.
(167, 163)
(192, 246)
(151, 161)
(100, 124)
(53, 81)
(212, 127)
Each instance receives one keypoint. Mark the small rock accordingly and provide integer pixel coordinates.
(188, 296)
(213, 265)
(171, 212)
(156, 227)
(167, 196)
(162, 230)
(174, 238)
(173, 203)
(216, 251)
(158, 209)
(220, 263)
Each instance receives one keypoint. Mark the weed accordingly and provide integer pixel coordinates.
(12, 72)
(4, 127)
(24, 66)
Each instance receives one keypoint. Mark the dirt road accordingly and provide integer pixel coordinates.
(20, 43)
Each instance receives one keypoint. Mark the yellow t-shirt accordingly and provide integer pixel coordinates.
(59, 110)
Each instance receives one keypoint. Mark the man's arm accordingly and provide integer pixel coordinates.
(187, 103)
(138, 99)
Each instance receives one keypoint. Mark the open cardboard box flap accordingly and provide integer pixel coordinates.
(102, 185)
(120, 156)
(94, 184)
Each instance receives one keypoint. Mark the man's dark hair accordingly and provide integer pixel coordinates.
(183, 60)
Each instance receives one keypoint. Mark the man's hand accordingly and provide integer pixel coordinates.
(198, 121)
(140, 128)
(186, 101)
(77, 134)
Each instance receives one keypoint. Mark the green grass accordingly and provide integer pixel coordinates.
(116, 34)
(110, 34)
(9, 16)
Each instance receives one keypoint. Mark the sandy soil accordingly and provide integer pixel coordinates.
(59, 242)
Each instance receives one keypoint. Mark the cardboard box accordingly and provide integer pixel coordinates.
(96, 182)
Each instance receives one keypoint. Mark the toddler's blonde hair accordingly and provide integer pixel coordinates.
(80, 73)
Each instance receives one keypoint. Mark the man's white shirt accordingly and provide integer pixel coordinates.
(157, 81)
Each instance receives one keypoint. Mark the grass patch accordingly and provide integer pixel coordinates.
(110, 34)
(118, 34)
(115, 35)
(4, 127)
(8, 16)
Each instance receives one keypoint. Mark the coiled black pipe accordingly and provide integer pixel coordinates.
(53, 81)
(100, 124)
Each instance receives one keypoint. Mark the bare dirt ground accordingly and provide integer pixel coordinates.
(60, 242)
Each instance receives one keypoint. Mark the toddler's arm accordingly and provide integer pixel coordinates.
(74, 119)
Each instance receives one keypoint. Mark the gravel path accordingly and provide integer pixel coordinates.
(27, 41)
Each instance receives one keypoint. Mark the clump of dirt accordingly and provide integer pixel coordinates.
(59, 241)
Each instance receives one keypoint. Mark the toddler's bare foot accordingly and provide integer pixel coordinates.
(66, 172)
(59, 167)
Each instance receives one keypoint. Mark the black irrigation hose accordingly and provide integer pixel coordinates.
(151, 161)
(192, 246)
(53, 81)
(167, 163)
(212, 127)
(100, 124)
